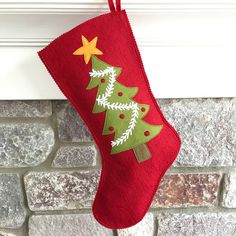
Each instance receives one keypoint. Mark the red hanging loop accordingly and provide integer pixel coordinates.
(118, 5)
(112, 7)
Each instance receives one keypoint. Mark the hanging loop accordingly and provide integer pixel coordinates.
(112, 6)
(118, 5)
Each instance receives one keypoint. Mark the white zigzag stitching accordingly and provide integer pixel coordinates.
(103, 101)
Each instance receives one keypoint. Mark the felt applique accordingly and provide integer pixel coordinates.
(88, 49)
(124, 116)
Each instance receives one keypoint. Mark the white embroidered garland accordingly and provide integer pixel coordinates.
(103, 101)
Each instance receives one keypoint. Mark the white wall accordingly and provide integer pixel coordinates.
(188, 47)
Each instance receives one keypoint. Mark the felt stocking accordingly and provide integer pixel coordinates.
(98, 67)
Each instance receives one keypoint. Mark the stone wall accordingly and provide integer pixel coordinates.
(49, 171)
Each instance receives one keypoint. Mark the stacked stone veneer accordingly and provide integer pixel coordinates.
(50, 167)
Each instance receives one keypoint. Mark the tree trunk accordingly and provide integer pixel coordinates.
(142, 153)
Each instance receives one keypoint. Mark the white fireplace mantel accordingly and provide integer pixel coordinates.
(188, 46)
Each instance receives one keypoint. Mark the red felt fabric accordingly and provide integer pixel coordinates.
(126, 187)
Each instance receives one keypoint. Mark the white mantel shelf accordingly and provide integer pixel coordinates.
(188, 47)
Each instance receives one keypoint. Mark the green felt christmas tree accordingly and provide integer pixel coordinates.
(123, 115)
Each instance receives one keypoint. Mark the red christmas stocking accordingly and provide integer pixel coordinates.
(98, 67)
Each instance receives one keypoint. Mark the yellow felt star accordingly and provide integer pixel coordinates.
(88, 49)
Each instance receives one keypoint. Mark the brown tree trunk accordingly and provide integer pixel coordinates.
(142, 153)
